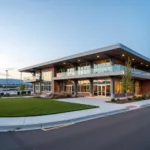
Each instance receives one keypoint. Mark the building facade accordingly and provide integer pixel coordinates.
(92, 73)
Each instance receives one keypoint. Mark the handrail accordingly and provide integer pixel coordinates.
(103, 69)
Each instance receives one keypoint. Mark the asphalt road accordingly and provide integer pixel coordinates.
(126, 131)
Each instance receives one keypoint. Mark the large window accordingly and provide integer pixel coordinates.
(118, 87)
(84, 86)
(37, 75)
(102, 81)
(37, 87)
(47, 75)
(46, 86)
(84, 69)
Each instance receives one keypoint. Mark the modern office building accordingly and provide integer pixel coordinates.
(93, 73)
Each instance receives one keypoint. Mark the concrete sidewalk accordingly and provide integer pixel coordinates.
(38, 122)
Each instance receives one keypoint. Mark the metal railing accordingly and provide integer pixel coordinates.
(105, 69)
(31, 79)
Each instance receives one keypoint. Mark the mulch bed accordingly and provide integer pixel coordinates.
(122, 101)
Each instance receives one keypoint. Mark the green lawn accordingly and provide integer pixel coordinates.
(18, 107)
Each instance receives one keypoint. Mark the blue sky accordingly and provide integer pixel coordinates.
(34, 31)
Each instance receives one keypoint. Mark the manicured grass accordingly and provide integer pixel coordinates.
(18, 107)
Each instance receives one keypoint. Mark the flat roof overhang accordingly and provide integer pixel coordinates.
(114, 51)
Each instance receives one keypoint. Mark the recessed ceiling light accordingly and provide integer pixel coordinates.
(97, 56)
(123, 55)
(78, 59)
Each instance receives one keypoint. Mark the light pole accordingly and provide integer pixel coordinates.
(6, 79)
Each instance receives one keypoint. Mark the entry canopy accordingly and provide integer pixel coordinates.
(118, 51)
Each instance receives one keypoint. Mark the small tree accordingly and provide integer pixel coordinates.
(22, 87)
(127, 79)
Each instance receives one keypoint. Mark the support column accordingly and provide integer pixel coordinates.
(20, 77)
(91, 87)
(62, 87)
(112, 88)
(112, 61)
(75, 87)
(92, 66)
(33, 88)
(40, 81)
(40, 87)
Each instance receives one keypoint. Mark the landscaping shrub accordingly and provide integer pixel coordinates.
(144, 96)
(29, 92)
(2, 94)
(139, 98)
(134, 98)
(56, 97)
(129, 99)
(148, 96)
(7, 94)
(18, 93)
(118, 99)
(113, 100)
(23, 92)
(61, 95)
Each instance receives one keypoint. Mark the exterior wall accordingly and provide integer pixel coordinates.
(117, 95)
(84, 94)
(37, 91)
(53, 74)
(146, 87)
(57, 86)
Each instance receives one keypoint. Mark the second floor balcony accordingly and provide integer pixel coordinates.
(101, 71)
(32, 79)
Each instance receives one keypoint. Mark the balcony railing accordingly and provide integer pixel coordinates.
(31, 79)
(106, 69)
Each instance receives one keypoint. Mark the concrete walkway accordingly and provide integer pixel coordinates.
(38, 122)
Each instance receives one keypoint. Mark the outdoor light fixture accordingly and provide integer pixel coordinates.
(133, 59)
(141, 63)
(64, 63)
(78, 59)
(97, 56)
(123, 55)
(146, 65)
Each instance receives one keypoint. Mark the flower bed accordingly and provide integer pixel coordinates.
(130, 99)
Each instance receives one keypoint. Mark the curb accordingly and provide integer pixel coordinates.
(59, 123)
(145, 105)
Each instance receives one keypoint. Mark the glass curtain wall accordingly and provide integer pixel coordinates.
(118, 87)
(84, 86)
(37, 87)
(37, 75)
(46, 84)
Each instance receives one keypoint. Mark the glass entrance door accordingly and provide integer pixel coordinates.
(99, 92)
(103, 91)
(108, 92)
(69, 89)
